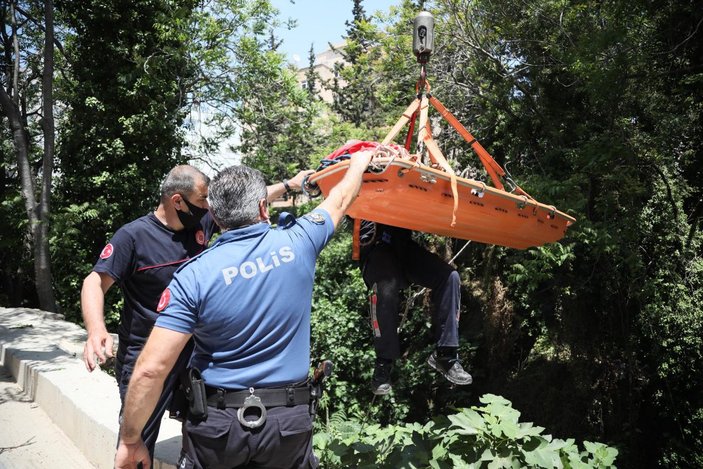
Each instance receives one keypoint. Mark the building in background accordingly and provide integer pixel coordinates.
(325, 68)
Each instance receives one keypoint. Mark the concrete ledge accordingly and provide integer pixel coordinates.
(43, 353)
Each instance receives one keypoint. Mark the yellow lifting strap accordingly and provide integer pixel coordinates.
(425, 135)
(494, 170)
(492, 167)
(404, 119)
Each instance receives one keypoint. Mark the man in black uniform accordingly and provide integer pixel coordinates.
(390, 260)
(141, 258)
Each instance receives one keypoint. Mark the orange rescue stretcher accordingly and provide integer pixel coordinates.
(400, 190)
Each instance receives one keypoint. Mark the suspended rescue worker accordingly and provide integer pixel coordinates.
(390, 261)
(246, 301)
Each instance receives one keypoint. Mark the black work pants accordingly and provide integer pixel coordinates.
(392, 267)
(284, 441)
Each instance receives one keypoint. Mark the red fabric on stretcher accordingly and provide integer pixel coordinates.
(354, 146)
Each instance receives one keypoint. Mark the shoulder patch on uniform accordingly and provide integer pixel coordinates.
(164, 300)
(315, 217)
(106, 252)
(200, 237)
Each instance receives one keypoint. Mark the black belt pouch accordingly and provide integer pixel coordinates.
(195, 393)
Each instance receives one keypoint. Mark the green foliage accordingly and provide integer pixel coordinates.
(119, 134)
(339, 329)
(244, 93)
(336, 134)
(277, 116)
(488, 436)
(356, 97)
(137, 70)
(594, 107)
(15, 260)
(312, 78)
(73, 261)
(25, 273)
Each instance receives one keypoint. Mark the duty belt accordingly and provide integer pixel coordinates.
(259, 399)
(290, 396)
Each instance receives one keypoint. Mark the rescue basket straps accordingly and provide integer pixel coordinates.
(420, 106)
(356, 248)
(425, 135)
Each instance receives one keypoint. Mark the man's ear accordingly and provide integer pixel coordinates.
(264, 210)
(176, 200)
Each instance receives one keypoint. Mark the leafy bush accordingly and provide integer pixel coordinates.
(487, 436)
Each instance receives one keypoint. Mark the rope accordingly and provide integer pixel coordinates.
(381, 151)
(313, 190)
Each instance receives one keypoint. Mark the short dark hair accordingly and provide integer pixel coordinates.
(182, 180)
(234, 196)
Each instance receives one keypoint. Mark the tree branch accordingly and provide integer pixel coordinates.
(40, 26)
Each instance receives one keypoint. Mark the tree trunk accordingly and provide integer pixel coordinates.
(21, 143)
(42, 260)
(37, 213)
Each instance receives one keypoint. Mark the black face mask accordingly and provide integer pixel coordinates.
(190, 219)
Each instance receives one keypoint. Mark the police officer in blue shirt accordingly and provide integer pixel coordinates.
(141, 259)
(246, 301)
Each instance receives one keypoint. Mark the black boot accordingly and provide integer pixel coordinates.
(381, 382)
(446, 361)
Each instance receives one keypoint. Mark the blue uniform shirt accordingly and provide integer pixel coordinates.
(247, 302)
(142, 257)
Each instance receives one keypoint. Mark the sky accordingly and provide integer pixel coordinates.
(319, 22)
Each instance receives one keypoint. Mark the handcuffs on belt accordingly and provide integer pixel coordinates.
(197, 400)
(249, 402)
(323, 370)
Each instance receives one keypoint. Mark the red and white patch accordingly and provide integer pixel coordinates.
(163, 301)
(107, 252)
(200, 237)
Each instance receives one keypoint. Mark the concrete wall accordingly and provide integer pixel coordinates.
(44, 355)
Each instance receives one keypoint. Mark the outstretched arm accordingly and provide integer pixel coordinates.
(274, 191)
(343, 194)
